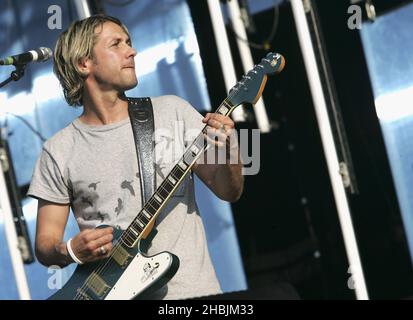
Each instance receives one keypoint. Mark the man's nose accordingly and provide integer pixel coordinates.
(131, 52)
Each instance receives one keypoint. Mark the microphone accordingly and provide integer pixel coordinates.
(40, 55)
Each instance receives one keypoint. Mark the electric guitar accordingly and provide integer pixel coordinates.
(128, 273)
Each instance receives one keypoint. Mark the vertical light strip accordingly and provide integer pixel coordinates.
(247, 62)
(12, 241)
(329, 149)
(224, 53)
(82, 8)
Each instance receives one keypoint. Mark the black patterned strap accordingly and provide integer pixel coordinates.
(141, 117)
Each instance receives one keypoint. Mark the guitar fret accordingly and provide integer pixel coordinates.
(194, 149)
(157, 198)
(227, 105)
(128, 234)
(171, 179)
(188, 157)
(128, 242)
(200, 141)
(140, 224)
(182, 165)
(143, 219)
(146, 214)
(131, 237)
(134, 231)
(128, 238)
(162, 192)
(223, 110)
(167, 186)
(136, 227)
(152, 206)
(176, 174)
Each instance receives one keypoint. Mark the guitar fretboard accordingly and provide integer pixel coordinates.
(165, 190)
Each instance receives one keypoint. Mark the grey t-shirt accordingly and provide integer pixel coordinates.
(94, 168)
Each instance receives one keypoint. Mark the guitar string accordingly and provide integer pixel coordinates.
(104, 265)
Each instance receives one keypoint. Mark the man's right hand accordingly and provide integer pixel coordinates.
(92, 244)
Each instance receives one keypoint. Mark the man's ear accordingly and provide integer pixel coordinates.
(83, 65)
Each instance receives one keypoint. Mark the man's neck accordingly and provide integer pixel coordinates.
(105, 108)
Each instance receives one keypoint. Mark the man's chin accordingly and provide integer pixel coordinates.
(130, 85)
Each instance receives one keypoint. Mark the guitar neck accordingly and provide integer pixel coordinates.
(172, 181)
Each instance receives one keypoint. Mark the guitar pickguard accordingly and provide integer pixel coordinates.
(141, 274)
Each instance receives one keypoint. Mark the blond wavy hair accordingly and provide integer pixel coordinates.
(74, 44)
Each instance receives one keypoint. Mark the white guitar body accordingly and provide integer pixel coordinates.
(141, 273)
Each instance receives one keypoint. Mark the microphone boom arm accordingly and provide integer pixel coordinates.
(15, 74)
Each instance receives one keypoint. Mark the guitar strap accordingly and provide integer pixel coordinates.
(142, 120)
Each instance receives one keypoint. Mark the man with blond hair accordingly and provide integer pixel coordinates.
(91, 165)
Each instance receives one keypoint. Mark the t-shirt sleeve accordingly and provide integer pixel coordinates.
(48, 182)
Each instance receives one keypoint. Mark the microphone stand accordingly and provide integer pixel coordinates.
(13, 222)
(15, 75)
(22, 231)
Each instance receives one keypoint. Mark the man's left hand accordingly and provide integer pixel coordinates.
(219, 129)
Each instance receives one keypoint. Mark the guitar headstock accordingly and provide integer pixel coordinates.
(250, 87)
